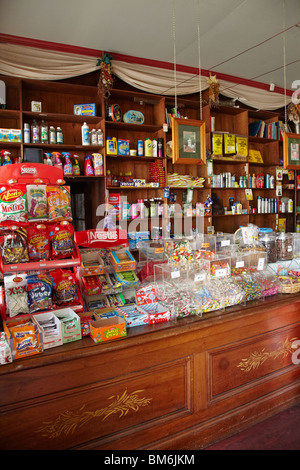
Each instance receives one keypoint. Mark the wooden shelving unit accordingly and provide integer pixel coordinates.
(58, 99)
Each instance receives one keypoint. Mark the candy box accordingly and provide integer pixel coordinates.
(91, 285)
(51, 329)
(85, 319)
(24, 337)
(70, 324)
(122, 260)
(88, 109)
(134, 315)
(107, 313)
(91, 263)
(106, 329)
(157, 312)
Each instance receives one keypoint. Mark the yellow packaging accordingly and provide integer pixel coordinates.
(281, 225)
(217, 144)
(229, 144)
(242, 146)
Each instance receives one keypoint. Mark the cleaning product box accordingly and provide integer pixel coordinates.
(114, 205)
(123, 147)
(88, 109)
(51, 329)
(4, 135)
(106, 329)
(70, 324)
(122, 260)
(15, 135)
(24, 337)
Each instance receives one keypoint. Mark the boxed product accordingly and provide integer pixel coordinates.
(91, 285)
(114, 205)
(88, 109)
(91, 262)
(4, 135)
(24, 337)
(123, 147)
(134, 315)
(132, 240)
(70, 324)
(51, 329)
(106, 329)
(15, 135)
(85, 319)
(122, 260)
(156, 312)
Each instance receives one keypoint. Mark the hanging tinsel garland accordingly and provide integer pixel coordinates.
(106, 80)
(213, 92)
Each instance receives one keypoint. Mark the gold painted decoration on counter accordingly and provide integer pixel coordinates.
(256, 359)
(69, 421)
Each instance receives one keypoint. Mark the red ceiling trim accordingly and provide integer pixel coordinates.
(37, 43)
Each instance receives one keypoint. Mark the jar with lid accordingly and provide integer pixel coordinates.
(267, 238)
(284, 245)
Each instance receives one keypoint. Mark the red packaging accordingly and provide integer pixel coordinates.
(62, 240)
(65, 291)
(38, 242)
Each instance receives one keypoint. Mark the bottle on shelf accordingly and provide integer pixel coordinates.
(140, 149)
(26, 133)
(75, 166)
(52, 135)
(57, 160)
(148, 147)
(59, 136)
(93, 137)
(85, 134)
(35, 132)
(100, 140)
(154, 148)
(44, 133)
(67, 168)
(48, 159)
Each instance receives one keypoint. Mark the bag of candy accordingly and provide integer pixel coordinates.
(65, 291)
(13, 245)
(62, 240)
(39, 288)
(38, 242)
(37, 202)
(13, 205)
(59, 203)
(16, 295)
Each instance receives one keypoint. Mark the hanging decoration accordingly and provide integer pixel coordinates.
(213, 92)
(106, 80)
(293, 112)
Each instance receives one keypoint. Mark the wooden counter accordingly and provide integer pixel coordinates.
(180, 385)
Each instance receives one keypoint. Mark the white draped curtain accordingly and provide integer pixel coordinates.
(44, 64)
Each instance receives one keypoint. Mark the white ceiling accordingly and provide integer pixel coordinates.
(242, 38)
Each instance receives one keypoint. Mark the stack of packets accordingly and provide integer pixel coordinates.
(184, 181)
(157, 173)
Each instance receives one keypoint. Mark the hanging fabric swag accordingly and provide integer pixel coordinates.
(42, 64)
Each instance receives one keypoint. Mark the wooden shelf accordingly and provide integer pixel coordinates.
(56, 117)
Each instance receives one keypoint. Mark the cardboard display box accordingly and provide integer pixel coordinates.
(70, 324)
(106, 329)
(24, 337)
(49, 340)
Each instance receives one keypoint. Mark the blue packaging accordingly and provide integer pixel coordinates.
(88, 109)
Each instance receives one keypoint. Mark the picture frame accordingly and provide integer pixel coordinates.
(189, 141)
(291, 151)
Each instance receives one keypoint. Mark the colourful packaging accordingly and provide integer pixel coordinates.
(24, 337)
(37, 202)
(62, 240)
(98, 164)
(59, 203)
(70, 324)
(13, 205)
(107, 329)
(123, 147)
(38, 242)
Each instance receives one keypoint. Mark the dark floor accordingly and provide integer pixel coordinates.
(280, 432)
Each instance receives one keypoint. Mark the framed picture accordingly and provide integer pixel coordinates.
(291, 151)
(189, 141)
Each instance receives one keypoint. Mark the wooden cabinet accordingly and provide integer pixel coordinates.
(58, 99)
(177, 386)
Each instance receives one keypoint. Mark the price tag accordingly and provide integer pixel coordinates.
(199, 277)
(221, 272)
(239, 264)
(225, 242)
(175, 274)
(261, 263)
(165, 127)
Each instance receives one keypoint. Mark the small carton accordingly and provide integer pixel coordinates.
(70, 324)
(157, 312)
(123, 147)
(106, 329)
(4, 135)
(24, 337)
(88, 109)
(51, 329)
(122, 260)
(91, 262)
(85, 319)
(15, 135)
(134, 315)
